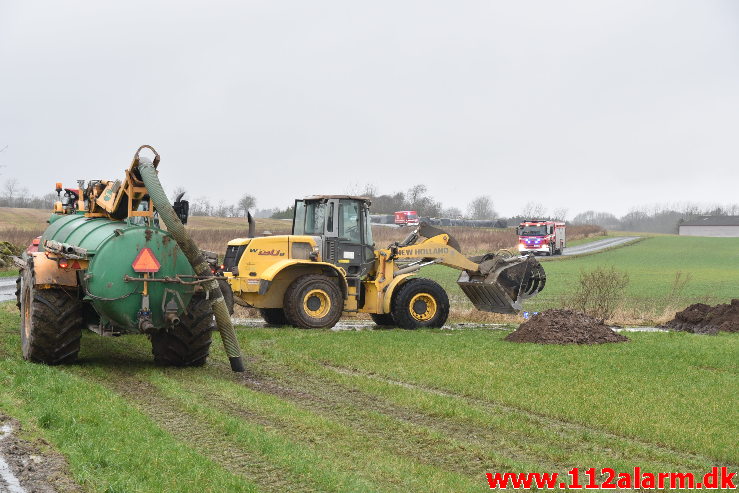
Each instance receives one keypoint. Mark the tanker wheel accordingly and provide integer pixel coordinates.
(313, 301)
(420, 303)
(274, 316)
(18, 284)
(188, 342)
(383, 319)
(51, 322)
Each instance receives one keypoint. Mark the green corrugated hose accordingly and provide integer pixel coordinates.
(177, 230)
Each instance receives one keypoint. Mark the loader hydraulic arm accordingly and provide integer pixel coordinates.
(438, 249)
(493, 282)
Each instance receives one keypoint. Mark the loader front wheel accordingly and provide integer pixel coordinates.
(420, 303)
(274, 316)
(51, 322)
(187, 343)
(313, 301)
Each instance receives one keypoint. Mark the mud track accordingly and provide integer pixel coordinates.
(559, 427)
(30, 466)
(190, 407)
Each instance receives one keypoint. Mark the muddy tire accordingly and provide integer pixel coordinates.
(420, 303)
(313, 301)
(383, 319)
(187, 343)
(18, 283)
(274, 316)
(51, 322)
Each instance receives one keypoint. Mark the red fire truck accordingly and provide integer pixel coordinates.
(406, 218)
(547, 237)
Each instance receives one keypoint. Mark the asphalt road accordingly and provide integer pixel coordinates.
(7, 288)
(595, 246)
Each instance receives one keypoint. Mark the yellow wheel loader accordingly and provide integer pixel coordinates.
(329, 266)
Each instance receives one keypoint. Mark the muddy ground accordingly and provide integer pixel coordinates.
(557, 326)
(700, 318)
(36, 467)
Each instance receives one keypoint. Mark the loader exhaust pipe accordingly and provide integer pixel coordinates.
(167, 213)
(252, 225)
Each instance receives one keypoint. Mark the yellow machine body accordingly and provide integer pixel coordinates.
(331, 243)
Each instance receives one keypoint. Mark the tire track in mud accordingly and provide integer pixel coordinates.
(463, 448)
(195, 434)
(336, 401)
(559, 426)
(506, 443)
(396, 431)
(464, 451)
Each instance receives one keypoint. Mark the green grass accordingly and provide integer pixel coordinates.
(651, 264)
(386, 410)
(9, 272)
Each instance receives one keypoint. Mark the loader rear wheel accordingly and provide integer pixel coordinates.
(51, 322)
(187, 343)
(274, 316)
(383, 319)
(420, 303)
(313, 301)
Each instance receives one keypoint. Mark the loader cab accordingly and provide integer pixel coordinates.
(343, 224)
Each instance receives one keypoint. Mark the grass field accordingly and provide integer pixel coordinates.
(652, 265)
(391, 410)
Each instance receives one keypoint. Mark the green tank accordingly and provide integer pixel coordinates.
(112, 246)
(104, 264)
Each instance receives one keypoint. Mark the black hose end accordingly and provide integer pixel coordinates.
(237, 364)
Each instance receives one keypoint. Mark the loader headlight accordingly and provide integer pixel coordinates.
(301, 250)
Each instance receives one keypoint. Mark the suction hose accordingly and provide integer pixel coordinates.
(167, 214)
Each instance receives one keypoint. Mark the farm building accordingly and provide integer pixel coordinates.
(726, 226)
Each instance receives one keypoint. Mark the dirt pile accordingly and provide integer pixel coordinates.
(564, 327)
(700, 318)
(7, 251)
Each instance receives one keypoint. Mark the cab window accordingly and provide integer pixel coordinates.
(349, 221)
(309, 218)
(367, 227)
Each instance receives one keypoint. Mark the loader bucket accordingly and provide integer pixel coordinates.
(503, 283)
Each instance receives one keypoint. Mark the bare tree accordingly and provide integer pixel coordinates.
(10, 189)
(533, 210)
(415, 195)
(481, 208)
(452, 213)
(245, 203)
(201, 207)
(369, 190)
(366, 190)
(177, 191)
(559, 214)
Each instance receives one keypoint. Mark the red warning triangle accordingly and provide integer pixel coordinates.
(146, 261)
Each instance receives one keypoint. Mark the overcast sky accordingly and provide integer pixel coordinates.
(580, 104)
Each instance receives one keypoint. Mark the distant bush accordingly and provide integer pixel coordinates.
(600, 291)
